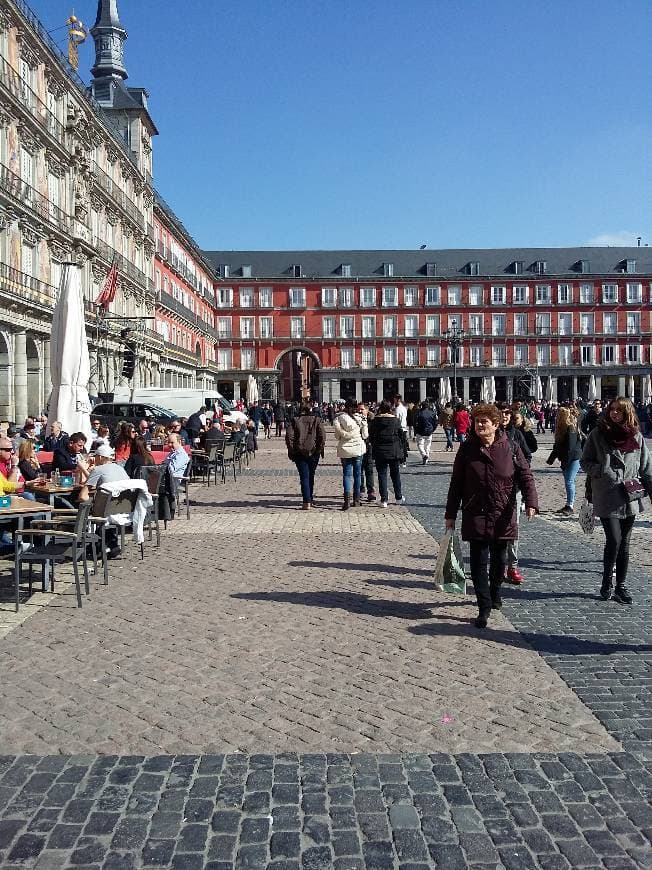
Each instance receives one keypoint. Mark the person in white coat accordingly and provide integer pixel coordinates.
(351, 434)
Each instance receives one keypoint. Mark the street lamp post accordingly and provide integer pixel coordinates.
(454, 336)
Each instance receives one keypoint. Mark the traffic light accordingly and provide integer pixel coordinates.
(129, 360)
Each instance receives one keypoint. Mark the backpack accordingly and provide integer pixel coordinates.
(305, 436)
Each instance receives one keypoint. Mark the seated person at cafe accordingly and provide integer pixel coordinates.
(56, 438)
(28, 464)
(177, 459)
(140, 456)
(66, 459)
(101, 438)
(178, 428)
(9, 472)
(106, 471)
(144, 431)
(214, 437)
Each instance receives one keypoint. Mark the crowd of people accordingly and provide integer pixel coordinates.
(491, 481)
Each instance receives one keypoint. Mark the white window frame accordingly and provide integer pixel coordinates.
(610, 293)
(411, 355)
(520, 319)
(247, 358)
(454, 295)
(413, 330)
(368, 357)
(224, 359)
(587, 354)
(367, 297)
(347, 357)
(542, 323)
(587, 323)
(610, 355)
(328, 326)
(389, 319)
(265, 297)
(411, 296)
(498, 294)
(476, 294)
(224, 327)
(389, 297)
(565, 294)
(433, 355)
(476, 324)
(521, 354)
(634, 293)
(562, 318)
(498, 324)
(433, 295)
(329, 297)
(633, 323)
(247, 297)
(433, 325)
(390, 357)
(543, 354)
(543, 294)
(520, 294)
(633, 354)
(476, 355)
(587, 293)
(247, 327)
(224, 297)
(297, 297)
(298, 327)
(347, 326)
(368, 326)
(609, 317)
(499, 354)
(345, 297)
(266, 327)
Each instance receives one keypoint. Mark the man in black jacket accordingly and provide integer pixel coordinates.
(425, 423)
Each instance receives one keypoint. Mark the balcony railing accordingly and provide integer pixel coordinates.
(26, 287)
(14, 186)
(124, 265)
(118, 195)
(172, 304)
(30, 101)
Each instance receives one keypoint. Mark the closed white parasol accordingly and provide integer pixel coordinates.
(69, 361)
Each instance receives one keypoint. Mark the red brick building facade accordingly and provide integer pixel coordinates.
(372, 323)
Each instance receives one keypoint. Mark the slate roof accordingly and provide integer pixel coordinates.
(451, 263)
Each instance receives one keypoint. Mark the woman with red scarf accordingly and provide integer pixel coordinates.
(615, 458)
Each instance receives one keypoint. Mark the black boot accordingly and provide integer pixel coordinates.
(605, 589)
(347, 502)
(481, 620)
(496, 600)
(621, 595)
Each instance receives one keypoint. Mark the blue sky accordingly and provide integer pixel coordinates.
(292, 124)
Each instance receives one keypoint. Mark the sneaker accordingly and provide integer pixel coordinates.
(514, 576)
(371, 496)
(383, 504)
(424, 459)
(400, 500)
(480, 621)
(621, 595)
(566, 511)
(605, 591)
(439, 587)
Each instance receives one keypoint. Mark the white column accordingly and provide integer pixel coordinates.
(326, 391)
(621, 385)
(422, 389)
(379, 389)
(401, 387)
(47, 377)
(236, 390)
(20, 377)
(358, 390)
(598, 386)
(574, 396)
(466, 395)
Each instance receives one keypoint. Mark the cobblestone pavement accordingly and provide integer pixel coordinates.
(283, 689)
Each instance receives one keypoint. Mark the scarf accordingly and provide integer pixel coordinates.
(621, 437)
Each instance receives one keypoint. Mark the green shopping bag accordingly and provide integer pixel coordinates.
(449, 569)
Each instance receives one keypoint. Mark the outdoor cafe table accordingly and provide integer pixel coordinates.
(18, 510)
(49, 491)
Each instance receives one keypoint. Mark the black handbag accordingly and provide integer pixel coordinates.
(634, 489)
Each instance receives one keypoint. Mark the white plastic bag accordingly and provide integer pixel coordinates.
(449, 568)
(587, 517)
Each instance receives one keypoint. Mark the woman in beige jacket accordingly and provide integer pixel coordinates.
(351, 434)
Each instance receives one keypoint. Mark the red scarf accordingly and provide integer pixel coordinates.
(621, 437)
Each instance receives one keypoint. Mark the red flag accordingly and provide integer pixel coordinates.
(107, 294)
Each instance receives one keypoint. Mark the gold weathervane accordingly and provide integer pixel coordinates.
(77, 34)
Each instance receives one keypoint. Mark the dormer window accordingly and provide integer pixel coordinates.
(223, 270)
(295, 270)
(473, 267)
(345, 270)
(388, 270)
(246, 271)
(584, 267)
(629, 266)
(431, 270)
(539, 267)
(517, 267)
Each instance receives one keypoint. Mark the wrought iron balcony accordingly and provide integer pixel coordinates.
(26, 288)
(118, 195)
(36, 203)
(30, 101)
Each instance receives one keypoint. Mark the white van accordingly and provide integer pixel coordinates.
(183, 401)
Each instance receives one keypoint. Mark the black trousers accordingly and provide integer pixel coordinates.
(279, 428)
(368, 472)
(488, 560)
(616, 548)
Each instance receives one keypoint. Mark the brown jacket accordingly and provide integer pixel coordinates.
(305, 436)
(484, 482)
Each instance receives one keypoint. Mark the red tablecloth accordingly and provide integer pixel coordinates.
(46, 456)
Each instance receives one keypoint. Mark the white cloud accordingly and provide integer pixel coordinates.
(620, 239)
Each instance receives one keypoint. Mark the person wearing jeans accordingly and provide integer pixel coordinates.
(487, 470)
(351, 433)
(615, 452)
(389, 444)
(306, 466)
(567, 448)
(305, 438)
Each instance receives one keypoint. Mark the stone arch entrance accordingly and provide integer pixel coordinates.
(34, 393)
(298, 374)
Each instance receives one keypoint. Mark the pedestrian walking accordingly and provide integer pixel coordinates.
(461, 422)
(619, 465)
(351, 433)
(389, 443)
(516, 438)
(487, 472)
(279, 417)
(305, 438)
(567, 448)
(446, 422)
(425, 423)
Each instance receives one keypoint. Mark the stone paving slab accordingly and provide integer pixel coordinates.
(315, 522)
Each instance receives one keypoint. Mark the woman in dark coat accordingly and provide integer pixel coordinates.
(390, 447)
(487, 471)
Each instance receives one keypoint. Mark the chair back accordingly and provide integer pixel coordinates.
(81, 520)
(215, 451)
(106, 505)
(152, 475)
(229, 452)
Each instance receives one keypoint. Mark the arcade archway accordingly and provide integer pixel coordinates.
(298, 374)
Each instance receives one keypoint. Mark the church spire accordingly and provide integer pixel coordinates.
(109, 36)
